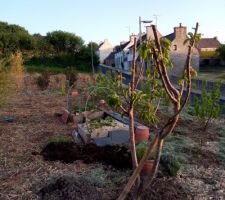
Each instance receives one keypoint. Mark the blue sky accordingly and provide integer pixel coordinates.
(97, 20)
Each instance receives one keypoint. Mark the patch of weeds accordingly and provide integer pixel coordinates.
(63, 90)
(221, 153)
(169, 164)
(60, 139)
(81, 108)
(181, 147)
(98, 123)
(188, 113)
(98, 177)
(107, 177)
(181, 130)
(43, 81)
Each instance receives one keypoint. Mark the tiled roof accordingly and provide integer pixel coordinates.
(208, 43)
(170, 37)
(100, 45)
(144, 38)
(111, 56)
(121, 47)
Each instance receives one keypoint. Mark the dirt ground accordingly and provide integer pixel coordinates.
(25, 174)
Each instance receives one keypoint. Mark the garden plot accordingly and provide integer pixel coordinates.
(104, 131)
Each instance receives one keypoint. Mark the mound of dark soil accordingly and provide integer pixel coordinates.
(165, 188)
(116, 156)
(81, 189)
(70, 189)
(66, 152)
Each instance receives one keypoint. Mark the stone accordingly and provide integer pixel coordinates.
(65, 115)
(119, 137)
(103, 141)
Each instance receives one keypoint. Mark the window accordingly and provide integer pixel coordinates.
(174, 47)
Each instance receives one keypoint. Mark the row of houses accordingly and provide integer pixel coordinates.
(121, 56)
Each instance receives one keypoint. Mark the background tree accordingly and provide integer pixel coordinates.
(221, 51)
(65, 42)
(14, 38)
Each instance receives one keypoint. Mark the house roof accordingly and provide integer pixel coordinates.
(170, 37)
(110, 56)
(121, 46)
(100, 45)
(144, 37)
(208, 43)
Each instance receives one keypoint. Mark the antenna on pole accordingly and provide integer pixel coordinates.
(156, 19)
(128, 27)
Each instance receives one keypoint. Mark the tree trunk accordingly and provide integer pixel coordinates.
(132, 138)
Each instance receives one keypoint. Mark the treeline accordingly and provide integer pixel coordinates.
(57, 48)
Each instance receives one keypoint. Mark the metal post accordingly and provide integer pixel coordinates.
(140, 33)
(92, 60)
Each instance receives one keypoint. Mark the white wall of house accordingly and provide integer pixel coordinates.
(104, 50)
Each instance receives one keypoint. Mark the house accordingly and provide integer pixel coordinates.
(179, 50)
(110, 60)
(103, 50)
(129, 53)
(121, 54)
(207, 50)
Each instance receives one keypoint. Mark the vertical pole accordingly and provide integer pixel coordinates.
(140, 33)
(92, 62)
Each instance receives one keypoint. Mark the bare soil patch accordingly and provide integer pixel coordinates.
(68, 152)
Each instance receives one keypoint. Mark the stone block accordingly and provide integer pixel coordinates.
(65, 116)
(119, 137)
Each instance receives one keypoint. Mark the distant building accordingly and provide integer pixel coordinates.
(123, 53)
(110, 60)
(207, 50)
(208, 44)
(103, 50)
(179, 50)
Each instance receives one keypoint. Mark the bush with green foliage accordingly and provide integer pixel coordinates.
(208, 106)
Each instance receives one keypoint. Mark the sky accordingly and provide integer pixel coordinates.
(96, 20)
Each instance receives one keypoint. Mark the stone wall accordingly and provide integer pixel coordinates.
(179, 61)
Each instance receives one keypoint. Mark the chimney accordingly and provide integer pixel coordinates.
(149, 32)
(180, 31)
(132, 37)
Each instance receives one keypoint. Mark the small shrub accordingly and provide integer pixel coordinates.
(63, 90)
(43, 81)
(170, 164)
(141, 148)
(71, 75)
(98, 177)
(208, 106)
